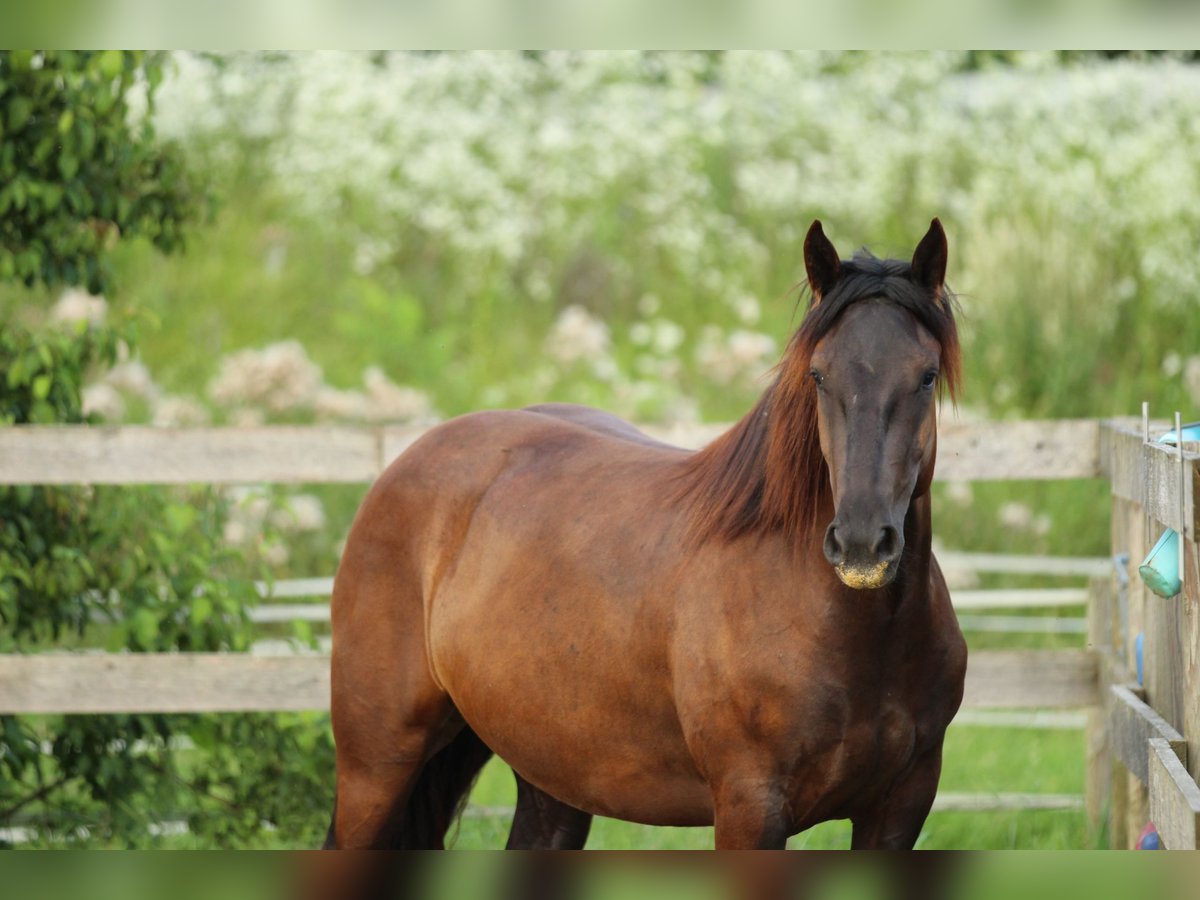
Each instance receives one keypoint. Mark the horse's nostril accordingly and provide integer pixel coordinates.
(888, 545)
(834, 552)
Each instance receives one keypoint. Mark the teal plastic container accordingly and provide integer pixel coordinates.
(1160, 569)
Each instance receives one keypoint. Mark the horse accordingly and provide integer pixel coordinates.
(754, 636)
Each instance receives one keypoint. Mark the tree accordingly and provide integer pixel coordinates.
(132, 568)
(79, 169)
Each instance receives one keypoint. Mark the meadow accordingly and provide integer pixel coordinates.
(407, 237)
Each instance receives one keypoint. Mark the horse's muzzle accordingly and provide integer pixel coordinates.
(864, 558)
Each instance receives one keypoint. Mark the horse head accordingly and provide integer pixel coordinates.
(882, 340)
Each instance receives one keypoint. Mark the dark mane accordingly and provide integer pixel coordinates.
(766, 473)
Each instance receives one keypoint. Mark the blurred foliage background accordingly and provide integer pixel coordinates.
(403, 236)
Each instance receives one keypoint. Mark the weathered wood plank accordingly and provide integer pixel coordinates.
(1047, 679)
(232, 682)
(949, 801)
(998, 598)
(1174, 798)
(65, 454)
(133, 454)
(395, 439)
(1152, 476)
(1190, 638)
(1018, 598)
(945, 801)
(162, 682)
(1018, 450)
(1017, 564)
(1131, 724)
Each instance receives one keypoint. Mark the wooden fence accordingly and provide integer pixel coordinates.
(1053, 681)
(69, 683)
(1144, 745)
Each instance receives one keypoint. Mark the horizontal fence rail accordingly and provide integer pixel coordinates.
(238, 682)
(295, 454)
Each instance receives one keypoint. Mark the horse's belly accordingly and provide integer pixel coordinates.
(572, 691)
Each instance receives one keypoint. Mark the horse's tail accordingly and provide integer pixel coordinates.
(436, 800)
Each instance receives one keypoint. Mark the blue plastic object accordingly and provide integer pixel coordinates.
(1138, 643)
(1191, 432)
(1148, 839)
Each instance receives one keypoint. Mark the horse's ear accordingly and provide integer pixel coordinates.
(929, 259)
(820, 262)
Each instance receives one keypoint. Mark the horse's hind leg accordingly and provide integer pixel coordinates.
(543, 823)
(389, 716)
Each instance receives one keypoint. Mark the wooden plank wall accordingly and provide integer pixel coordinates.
(1152, 490)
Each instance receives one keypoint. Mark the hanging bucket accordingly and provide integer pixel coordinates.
(1160, 569)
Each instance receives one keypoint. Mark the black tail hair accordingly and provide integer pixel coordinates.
(436, 800)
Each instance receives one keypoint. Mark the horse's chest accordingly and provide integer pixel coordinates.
(886, 743)
(859, 762)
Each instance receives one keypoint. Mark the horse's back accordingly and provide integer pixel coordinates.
(600, 422)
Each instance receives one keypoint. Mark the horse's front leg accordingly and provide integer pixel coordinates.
(897, 822)
(750, 813)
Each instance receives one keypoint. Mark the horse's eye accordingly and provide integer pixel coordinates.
(928, 381)
(816, 376)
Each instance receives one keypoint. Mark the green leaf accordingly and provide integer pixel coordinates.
(65, 121)
(143, 625)
(42, 413)
(201, 611)
(20, 109)
(117, 639)
(41, 386)
(68, 166)
(111, 63)
(17, 374)
(180, 517)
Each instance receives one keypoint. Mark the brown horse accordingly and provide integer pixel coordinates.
(755, 635)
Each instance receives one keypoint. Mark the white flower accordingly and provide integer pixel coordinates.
(331, 404)
(103, 400)
(391, 402)
(740, 356)
(278, 378)
(577, 335)
(1015, 516)
(79, 306)
(300, 512)
(175, 412)
(960, 493)
(667, 336)
(132, 377)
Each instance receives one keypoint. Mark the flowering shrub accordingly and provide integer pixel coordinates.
(594, 180)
